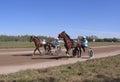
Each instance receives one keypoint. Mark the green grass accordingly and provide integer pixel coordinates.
(13, 44)
(103, 43)
(95, 70)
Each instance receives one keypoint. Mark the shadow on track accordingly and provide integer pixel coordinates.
(23, 55)
(53, 57)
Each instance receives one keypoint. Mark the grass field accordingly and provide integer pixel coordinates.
(31, 44)
(16, 44)
(103, 43)
(95, 70)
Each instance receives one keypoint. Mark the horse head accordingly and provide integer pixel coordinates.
(62, 35)
(32, 38)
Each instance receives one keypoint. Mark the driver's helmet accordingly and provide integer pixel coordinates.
(84, 37)
(44, 41)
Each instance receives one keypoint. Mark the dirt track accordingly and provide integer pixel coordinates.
(13, 60)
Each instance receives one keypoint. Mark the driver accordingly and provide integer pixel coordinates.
(57, 43)
(84, 42)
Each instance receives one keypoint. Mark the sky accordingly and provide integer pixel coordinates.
(50, 17)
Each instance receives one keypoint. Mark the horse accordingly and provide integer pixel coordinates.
(48, 46)
(39, 44)
(69, 44)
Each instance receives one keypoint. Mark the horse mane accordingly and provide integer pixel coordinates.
(67, 35)
(37, 38)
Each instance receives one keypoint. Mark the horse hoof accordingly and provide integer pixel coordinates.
(67, 55)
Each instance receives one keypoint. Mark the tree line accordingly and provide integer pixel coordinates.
(96, 39)
(24, 38)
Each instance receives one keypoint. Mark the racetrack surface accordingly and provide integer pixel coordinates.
(14, 60)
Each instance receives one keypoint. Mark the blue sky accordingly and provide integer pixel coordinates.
(50, 17)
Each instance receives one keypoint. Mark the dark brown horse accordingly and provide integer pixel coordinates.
(39, 44)
(48, 48)
(69, 44)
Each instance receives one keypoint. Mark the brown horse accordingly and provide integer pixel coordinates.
(39, 44)
(69, 44)
(48, 48)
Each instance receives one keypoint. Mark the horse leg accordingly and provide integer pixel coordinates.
(34, 51)
(44, 49)
(67, 53)
(79, 52)
(83, 48)
(39, 50)
(50, 53)
(74, 52)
